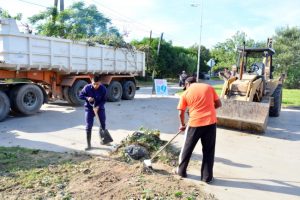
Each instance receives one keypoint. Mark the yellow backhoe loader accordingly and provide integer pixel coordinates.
(251, 97)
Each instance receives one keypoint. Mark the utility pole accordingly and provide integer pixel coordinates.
(199, 47)
(158, 48)
(148, 54)
(55, 3)
(148, 49)
(62, 5)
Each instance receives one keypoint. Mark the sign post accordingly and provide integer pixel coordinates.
(211, 63)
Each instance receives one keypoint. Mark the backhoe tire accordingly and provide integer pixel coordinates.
(114, 91)
(128, 90)
(74, 92)
(275, 110)
(27, 99)
(4, 106)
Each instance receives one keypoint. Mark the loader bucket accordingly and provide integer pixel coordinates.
(243, 115)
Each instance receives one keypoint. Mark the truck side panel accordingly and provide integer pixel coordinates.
(20, 51)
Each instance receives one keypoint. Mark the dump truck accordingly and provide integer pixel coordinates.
(35, 69)
(251, 97)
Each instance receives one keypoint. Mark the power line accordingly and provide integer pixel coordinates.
(116, 16)
(129, 20)
(32, 3)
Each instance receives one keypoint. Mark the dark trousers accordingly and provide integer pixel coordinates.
(89, 118)
(207, 134)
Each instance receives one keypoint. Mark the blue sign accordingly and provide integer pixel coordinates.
(161, 87)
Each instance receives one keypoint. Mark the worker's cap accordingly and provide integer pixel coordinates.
(183, 71)
(190, 80)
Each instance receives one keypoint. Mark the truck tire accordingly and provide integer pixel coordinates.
(66, 95)
(74, 92)
(4, 106)
(114, 91)
(128, 90)
(275, 110)
(27, 99)
(12, 96)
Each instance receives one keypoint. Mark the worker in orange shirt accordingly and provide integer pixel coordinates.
(202, 101)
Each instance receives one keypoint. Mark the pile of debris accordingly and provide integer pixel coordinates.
(141, 144)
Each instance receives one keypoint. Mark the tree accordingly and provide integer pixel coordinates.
(204, 58)
(5, 14)
(76, 22)
(287, 57)
(225, 53)
(170, 61)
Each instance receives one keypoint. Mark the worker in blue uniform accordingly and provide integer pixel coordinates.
(94, 95)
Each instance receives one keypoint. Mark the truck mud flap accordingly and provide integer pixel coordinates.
(242, 115)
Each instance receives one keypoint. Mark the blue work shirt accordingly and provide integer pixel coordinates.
(99, 96)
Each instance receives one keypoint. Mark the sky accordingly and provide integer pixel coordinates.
(180, 21)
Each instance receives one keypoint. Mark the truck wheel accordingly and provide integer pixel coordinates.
(66, 94)
(27, 99)
(12, 96)
(74, 92)
(114, 91)
(128, 90)
(275, 110)
(4, 106)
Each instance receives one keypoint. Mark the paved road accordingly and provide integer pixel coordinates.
(247, 166)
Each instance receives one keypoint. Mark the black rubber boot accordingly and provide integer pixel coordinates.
(88, 139)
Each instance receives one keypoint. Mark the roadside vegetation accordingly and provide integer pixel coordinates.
(36, 174)
(291, 98)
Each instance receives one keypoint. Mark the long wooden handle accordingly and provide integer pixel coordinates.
(165, 145)
(97, 116)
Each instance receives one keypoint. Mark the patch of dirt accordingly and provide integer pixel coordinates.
(110, 179)
(93, 177)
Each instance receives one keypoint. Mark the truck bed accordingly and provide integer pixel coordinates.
(25, 52)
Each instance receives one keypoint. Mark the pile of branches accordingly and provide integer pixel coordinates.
(142, 144)
(109, 40)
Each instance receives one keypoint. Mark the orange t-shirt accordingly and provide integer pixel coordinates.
(200, 98)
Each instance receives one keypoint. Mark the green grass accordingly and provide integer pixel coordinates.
(14, 159)
(218, 88)
(291, 97)
(23, 168)
(215, 78)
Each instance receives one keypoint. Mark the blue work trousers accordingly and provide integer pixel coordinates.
(89, 118)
